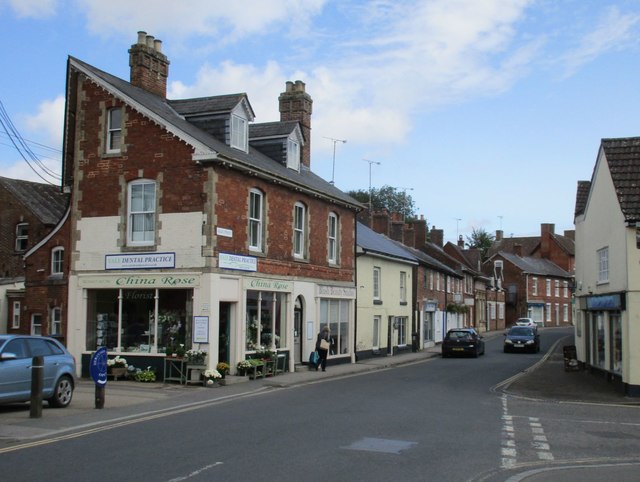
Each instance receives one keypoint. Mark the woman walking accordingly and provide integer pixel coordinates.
(323, 343)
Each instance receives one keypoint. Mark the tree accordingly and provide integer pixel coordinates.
(481, 240)
(390, 198)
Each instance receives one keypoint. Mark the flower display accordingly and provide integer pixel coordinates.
(148, 375)
(212, 374)
(117, 362)
(196, 356)
(222, 367)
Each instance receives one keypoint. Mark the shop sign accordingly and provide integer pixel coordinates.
(234, 261)
(140, 261)
(337, 291)
(606, 302)
(140, 281)
(430, 305)
(227, 233)
(263, 284)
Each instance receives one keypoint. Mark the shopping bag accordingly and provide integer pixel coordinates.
(314, 358)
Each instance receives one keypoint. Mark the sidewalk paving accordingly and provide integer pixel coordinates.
(126, 399)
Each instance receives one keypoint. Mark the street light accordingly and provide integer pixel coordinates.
(404, 201)
(457, 232)
(333, 169)
(370, 203)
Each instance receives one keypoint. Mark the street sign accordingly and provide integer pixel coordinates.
(98, 366)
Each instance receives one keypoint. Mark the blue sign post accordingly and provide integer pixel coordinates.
(98, 369)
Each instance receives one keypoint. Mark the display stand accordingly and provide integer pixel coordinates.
(192, 368)
(175, 370)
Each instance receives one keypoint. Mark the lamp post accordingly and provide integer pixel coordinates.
(457, 232)
(333, 168)
(370, 203)
(404, 201)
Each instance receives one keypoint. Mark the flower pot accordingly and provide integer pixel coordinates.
(211, 383)
(118, 372)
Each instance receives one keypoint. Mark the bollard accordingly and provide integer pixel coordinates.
(100, 396)
(37, 382)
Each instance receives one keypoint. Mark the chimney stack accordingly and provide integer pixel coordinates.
(517, 250)
(460, 242)
(381, 222)
(420, 228)
(149, 66)
(546, 233)
(296, 105)
(499, 234)
(437, 236)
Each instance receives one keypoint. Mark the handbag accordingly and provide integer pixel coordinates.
(324, 344)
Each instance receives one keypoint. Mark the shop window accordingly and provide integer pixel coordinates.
(125, 320)
(335, 314)
(142, 213)
(36, 324)
(114, 130)
(57, 257)
(265, 320)
(22, 236)
(332, 244)
(55, 325)
(615, 329)
(256, 220)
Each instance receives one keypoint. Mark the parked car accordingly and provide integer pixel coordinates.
(16, 359)
(526, 322)
(522, 338)
(462, 341)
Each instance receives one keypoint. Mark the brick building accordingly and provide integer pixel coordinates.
(190, 227)
(30, 211)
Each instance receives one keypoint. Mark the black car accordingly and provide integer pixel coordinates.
(462, 341)
(522, 338)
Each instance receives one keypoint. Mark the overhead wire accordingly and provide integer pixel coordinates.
(21, 145)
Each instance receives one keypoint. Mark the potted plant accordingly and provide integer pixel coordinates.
(147, 375)
(117, 367)
(196, 357)
(243, 367)
(180, 350)
(211, 378)
(223, 368)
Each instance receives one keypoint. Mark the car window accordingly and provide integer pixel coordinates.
(40, 347)
(17, 347)
(521, 331)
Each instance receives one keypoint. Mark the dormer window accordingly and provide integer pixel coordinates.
(239, 132)
(293, 155)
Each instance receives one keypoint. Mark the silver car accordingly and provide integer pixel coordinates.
(16, 360)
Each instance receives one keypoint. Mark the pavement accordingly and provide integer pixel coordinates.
(126, 401)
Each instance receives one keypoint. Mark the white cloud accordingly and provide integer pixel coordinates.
(47, 124)
(32, 8)
(614, 31)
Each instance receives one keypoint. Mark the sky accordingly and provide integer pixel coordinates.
(486, 112)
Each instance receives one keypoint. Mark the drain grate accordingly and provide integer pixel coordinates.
(381, 445)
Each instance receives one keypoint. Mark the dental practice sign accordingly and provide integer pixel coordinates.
(98, 366)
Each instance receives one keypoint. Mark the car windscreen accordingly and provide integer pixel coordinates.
(521, 331)
(459, 335)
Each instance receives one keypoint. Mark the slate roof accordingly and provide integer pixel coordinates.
(528, 243)
(582, 194)
(45, 201)
(271, 129)
(375, 243)
(431, 262)
(537, 266)
(623, 158)
(162, 112)
(218, 104)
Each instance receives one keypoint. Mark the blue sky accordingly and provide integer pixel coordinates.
(487, 111)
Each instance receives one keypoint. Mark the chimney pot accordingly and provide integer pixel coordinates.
(150, 41)
(142, 37)
(157, 45)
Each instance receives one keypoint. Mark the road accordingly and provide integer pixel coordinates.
(442, 420)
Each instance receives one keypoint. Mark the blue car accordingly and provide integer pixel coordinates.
(16, 360)
(522, 338)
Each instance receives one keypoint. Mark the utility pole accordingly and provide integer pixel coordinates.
(333, 168)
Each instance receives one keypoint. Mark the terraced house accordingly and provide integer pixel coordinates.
(191, 226)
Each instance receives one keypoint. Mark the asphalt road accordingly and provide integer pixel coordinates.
(440, 419)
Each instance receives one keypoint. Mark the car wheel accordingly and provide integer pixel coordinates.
(505, 350)
(62, 393)
(476, 353)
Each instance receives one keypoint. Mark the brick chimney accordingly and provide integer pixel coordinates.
(437, 236)
(409, 235)
(381, 222)
(397, 231)
(420, 230)
(499, 234)
(517, 250)
(149, 66)
(460, 242)
(546, 233)
(296, 105)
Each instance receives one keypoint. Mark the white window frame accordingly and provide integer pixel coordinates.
(145, 213)
(548, 312)
(377, 286)
(15, 320)
(548, 286)
(431, 280)
(239, 128)
(256, 220)
(36, 328)
(565, 286)
(293, 154)
(299, 230)
(22, 236)
(114, 131)
(57, 261)
(332, 241)
(377, 323)
(603, 265)
(556, 285)
(403, 286)
(501, 311)
(55, 328)
(401, 323)
(534, 286)
(565, 312)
